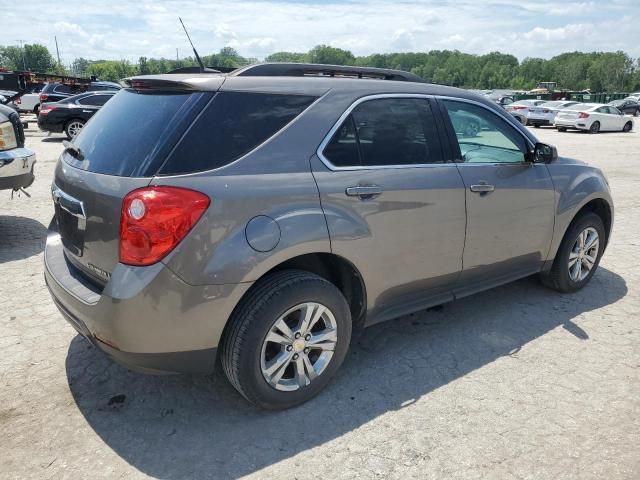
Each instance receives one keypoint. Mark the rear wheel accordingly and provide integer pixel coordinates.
(578, 256)
(561, 129)
(536, 125)
(595, 127)
(73, 127)
(627, 127)
(286, 339)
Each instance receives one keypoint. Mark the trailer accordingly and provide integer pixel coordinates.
(19, 82)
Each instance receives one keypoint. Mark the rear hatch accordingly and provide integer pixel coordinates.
(119, 150)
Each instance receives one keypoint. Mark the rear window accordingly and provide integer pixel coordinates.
(233, 124)
(125, 137)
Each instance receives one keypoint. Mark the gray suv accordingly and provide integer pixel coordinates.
(259, 217)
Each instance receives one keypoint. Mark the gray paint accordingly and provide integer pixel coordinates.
(425, 239)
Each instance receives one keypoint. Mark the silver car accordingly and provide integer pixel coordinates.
(545, 113)
(520, 109)
(260, 217)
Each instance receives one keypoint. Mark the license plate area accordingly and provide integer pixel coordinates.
(71, 230)
(71, 220)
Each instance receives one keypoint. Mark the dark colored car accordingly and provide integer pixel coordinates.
(54, 92)
(628, 106)
(261, 216)
(71, 114)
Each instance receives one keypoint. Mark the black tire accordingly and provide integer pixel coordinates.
(36, 109)
(595, 127)
(253, 318)
(561, 129)
(68, 127)
(627, 127)
(536, 125)
(558, 277)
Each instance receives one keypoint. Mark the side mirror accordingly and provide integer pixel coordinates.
(544, 153)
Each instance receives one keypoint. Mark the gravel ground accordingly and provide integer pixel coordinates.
(517, 382)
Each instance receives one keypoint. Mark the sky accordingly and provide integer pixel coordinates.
(125, 29)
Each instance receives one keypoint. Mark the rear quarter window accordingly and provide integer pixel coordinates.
(233, 124)
(125, 136)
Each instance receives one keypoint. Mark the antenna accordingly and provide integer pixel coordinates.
(194, 48)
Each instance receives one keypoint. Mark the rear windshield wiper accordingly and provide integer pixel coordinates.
(73, 150)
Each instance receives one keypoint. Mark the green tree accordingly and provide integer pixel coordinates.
(330, 55)
(34, 57)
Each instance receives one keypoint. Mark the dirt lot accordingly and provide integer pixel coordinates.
(518, 382)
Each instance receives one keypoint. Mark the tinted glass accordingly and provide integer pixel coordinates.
(342, 151)
(96, 100)
(62, 89)
(121, 139)
(396, 131)
(483, 136)
(233, 124)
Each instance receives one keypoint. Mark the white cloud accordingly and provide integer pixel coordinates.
(541, 28)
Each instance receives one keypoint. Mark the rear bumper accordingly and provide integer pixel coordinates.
(539, 120)
(145, 318)
(571, 124)
(49, 125)
(16, 168)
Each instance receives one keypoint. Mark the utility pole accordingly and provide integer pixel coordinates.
(24, 63)
(57, 51)
(177, 57)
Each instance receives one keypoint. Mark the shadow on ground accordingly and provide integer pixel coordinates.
(199, 427)
(20, 237)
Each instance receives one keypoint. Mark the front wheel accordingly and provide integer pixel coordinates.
(595, 127)
(286, 339)
(578, 256)
(627, 127)
(72, 129)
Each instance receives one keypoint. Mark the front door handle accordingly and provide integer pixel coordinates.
(482, 188)
(364, 192)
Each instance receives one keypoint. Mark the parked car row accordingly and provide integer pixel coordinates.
(568, 114)
(62, 110)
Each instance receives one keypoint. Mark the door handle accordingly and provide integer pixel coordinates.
(364, 192)
(482, 188)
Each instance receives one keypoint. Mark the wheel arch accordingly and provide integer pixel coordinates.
(333, 268)
(598, 205)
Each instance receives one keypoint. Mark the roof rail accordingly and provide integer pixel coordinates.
(317, 70)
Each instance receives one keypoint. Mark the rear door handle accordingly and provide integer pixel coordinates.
(482, 188)
(364, 192)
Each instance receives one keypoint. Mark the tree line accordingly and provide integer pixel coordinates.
(597, 71)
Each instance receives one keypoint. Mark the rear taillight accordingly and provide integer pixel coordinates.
(520, 107)
(43, 97)
(545, 111)
(18, 101)
(155, 219)
(583, 115)
(45, 110)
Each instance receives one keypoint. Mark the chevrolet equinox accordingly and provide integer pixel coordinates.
(258, 217)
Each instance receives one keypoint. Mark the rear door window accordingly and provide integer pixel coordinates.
(386, 132)
(233, 124)
(94, 100)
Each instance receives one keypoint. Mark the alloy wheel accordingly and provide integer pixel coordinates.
(584, 254)
(299, 346)
(74, 128)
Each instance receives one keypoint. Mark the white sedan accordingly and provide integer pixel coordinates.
(594, 118)
(545, 113)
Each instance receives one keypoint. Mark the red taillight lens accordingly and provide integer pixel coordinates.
(583, 115)
(18, 101)
(520, 107)
(545, 111)
(45, 110)
(155, 219)
(43, 97)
